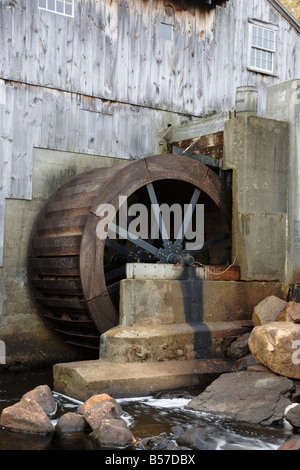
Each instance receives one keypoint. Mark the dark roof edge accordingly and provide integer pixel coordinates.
(286, 14)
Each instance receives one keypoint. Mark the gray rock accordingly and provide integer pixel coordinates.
(239, 348)
(177, 430)
(160, 442)
(196, 439)
(268, 310)
(293, 416)
(245, 363)
(252, 397)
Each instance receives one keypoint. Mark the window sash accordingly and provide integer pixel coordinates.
(263, 48)
(263, 38)
(61, 7)
(261, 59)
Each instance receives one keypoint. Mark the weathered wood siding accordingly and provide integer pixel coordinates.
(105, 82)
(113, 50)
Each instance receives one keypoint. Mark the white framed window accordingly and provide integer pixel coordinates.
(62, 7)
(262, 49)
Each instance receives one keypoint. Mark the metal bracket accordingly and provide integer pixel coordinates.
(209, 161)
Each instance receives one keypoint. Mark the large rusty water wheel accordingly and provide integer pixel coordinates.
(75, 275)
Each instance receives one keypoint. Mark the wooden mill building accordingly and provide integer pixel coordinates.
(90, 83)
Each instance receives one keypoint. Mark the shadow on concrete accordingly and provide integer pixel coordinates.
(192, 291)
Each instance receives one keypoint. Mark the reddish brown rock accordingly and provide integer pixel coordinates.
(71, 422)
(292, 444)
(291, 313)
(96, 400)
(113, 433)
(98, 413)
(26, 416)
(43, 396)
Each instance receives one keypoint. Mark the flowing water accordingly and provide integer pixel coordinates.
(147, 416)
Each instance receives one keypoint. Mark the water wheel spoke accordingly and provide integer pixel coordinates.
(115, 273)
(188, 216)
(113, 288)
(133, 238)
(160, 226)
(122, 250)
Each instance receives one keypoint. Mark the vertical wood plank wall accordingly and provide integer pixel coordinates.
(105, 82)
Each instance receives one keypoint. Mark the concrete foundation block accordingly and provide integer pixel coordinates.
(257, 150)
(154, 301)
(182, 342)
(81, 380)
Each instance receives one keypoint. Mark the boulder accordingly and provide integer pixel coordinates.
(268, 310)
(239, 348)
(291, 444)
(160, 442)
(43, 396)
(291, 313)
(196, 439)
(70, 422)
(244, 363)
(96, 400)
(252, 397)
(277, 346)
(293, 416)
(296, 392)
(113, 433)
(26, 416)
(104, 410)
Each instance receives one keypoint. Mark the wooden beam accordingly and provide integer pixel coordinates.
(209, 161)
(198, 128)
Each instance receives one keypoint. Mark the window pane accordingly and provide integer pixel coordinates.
(68, 9)
(262, 48)
(59, 7)
(263, 38)
(64, 7)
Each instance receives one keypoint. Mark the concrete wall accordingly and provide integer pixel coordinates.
(257, 150)
(283, 103)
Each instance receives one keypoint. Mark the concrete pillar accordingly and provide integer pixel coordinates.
(283, 103)
(256, 149)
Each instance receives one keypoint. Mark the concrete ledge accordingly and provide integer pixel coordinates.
(183, 341)
(81, 380)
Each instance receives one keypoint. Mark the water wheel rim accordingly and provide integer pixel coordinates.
(125, 182)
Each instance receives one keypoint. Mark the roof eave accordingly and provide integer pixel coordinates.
(286, 14)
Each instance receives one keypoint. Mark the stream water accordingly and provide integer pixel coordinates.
(147, 416)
